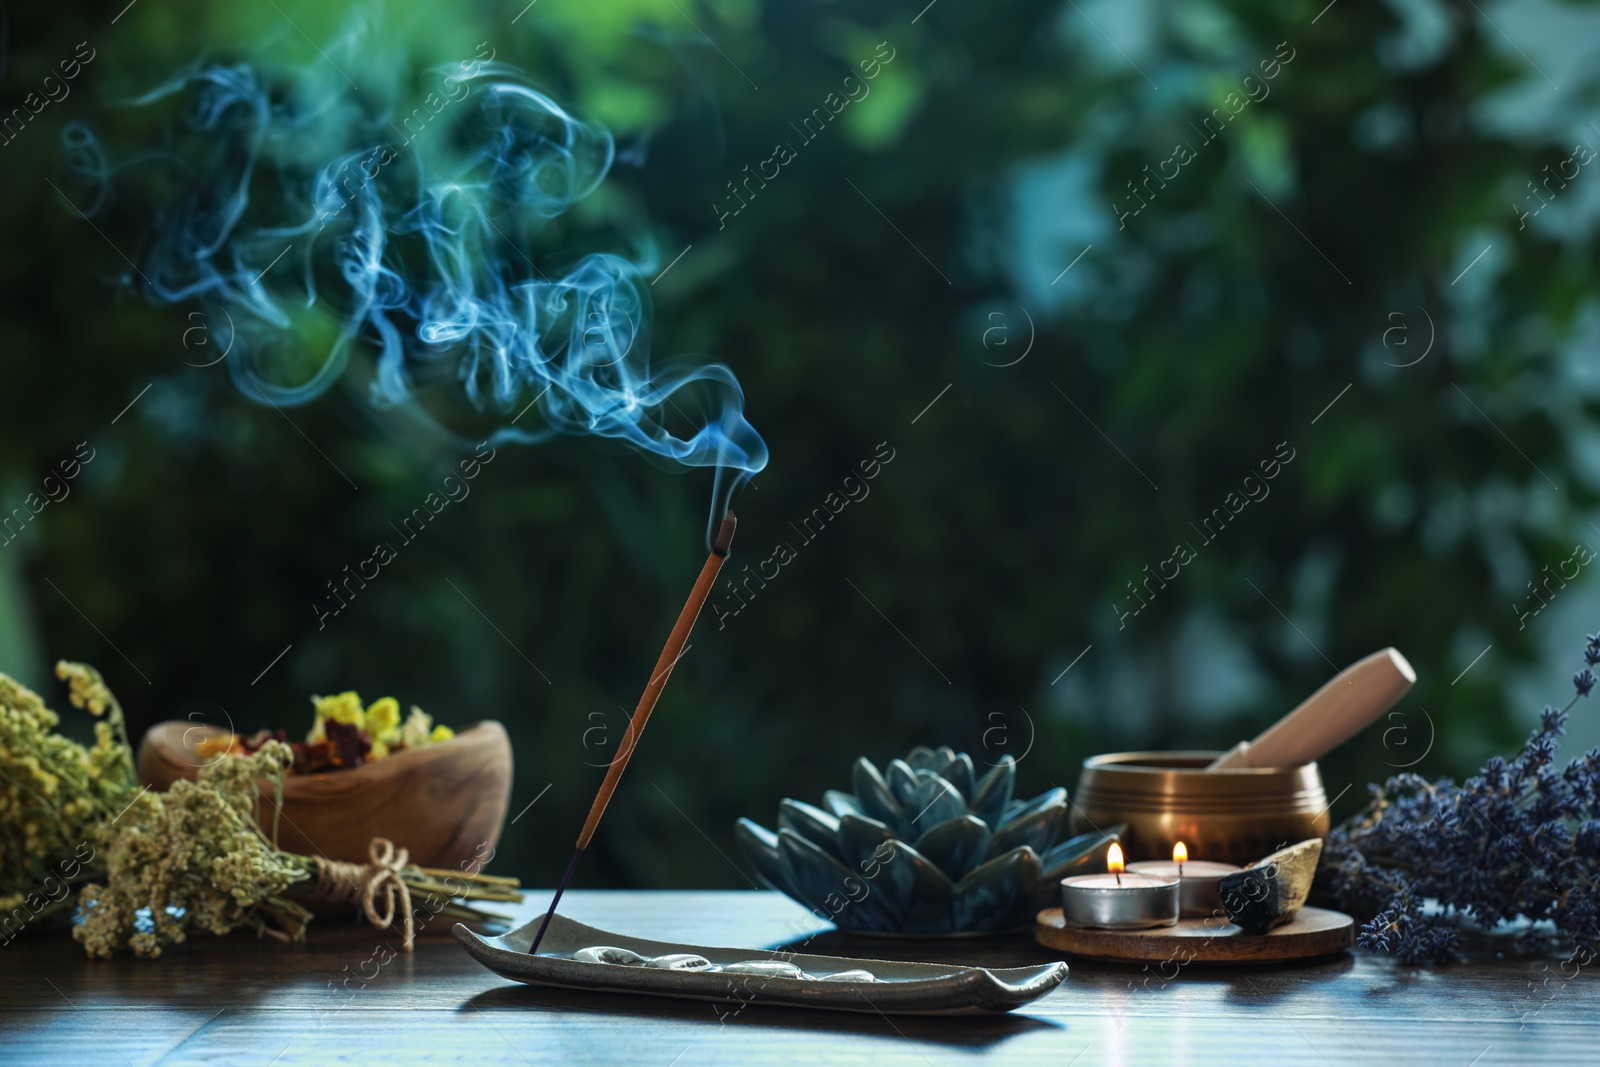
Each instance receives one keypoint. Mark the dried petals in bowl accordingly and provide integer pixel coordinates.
(442, 796)
(342, 735)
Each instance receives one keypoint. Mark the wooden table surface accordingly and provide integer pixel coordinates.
(348, 998)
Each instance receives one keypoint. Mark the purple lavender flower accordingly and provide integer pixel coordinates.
(1518, 841)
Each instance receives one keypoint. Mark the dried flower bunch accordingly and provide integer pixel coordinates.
(342, 735)
(56, 796)
(1517, 843)
(155, 867)
(193, 859)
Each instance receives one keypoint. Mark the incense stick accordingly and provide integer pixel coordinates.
(647, 704)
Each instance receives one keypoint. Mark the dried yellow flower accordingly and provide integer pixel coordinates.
(383, 720)
(56, 796)
(85, 687)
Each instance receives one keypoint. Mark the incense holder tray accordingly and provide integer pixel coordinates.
(927, 848)
(894, 987)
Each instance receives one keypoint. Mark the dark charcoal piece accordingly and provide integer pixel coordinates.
(1251, 898)
(1272, 890)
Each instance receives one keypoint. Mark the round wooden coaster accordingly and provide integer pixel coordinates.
(1313, 932)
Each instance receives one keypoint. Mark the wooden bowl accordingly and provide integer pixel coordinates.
(445, 802)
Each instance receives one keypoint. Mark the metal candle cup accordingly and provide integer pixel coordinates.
(1136, 902)
(1118, 901)
(1198, 880)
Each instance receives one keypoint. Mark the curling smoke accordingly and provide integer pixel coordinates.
(316, 224)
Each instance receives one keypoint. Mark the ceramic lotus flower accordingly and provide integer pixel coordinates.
(928, 847)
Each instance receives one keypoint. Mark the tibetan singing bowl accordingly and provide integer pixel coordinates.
(1236, 815)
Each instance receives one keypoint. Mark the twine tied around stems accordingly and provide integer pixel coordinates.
(360, 884)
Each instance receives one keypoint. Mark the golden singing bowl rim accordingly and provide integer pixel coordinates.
(1179, 760)
(1179, 777)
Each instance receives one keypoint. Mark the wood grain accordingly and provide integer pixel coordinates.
(444, 802)
(239, 1002)
(1313, 932)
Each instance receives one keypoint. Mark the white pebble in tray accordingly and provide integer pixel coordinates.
(847, 976)
(681, 961)
(606, 954)
(766, 969)
(688, 961)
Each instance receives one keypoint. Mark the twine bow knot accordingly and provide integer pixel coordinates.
(361, 884)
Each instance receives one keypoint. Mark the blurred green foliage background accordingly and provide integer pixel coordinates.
(1081, 423)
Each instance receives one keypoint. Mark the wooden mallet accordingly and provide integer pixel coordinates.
(1342, 708)
(647, 703)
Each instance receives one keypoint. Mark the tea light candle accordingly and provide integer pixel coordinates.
(1198, 880)
(1118, 901)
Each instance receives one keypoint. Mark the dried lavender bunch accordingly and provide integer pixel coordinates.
(1518, 841)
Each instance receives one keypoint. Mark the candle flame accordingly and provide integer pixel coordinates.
(1114, 858)
(1180, 853)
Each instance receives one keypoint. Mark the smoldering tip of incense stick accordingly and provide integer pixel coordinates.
(725, 534)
